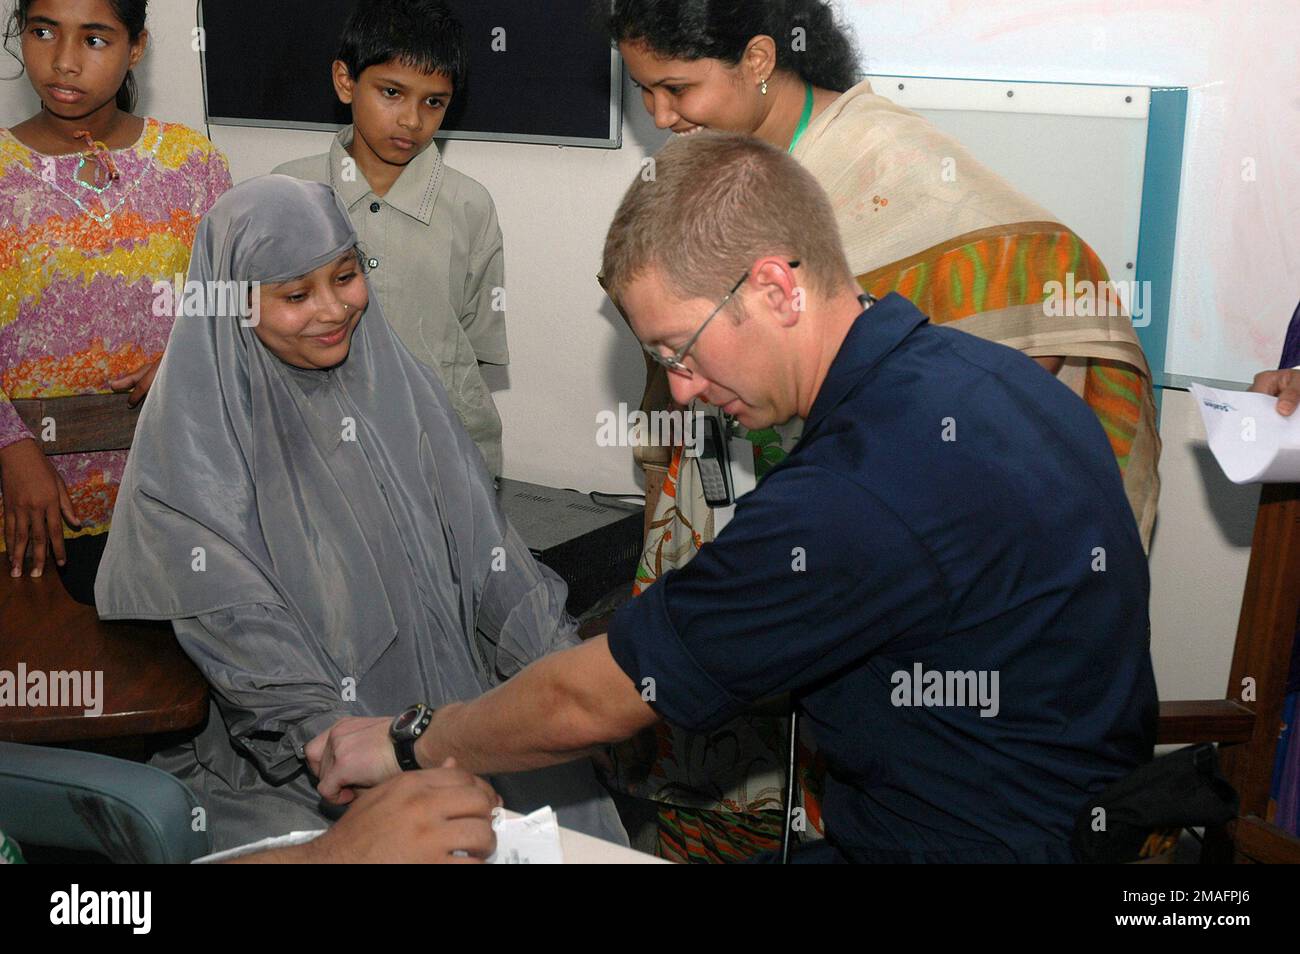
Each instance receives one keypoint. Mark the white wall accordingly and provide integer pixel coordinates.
(572, 356)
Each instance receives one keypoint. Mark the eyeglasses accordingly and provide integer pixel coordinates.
(673, 362)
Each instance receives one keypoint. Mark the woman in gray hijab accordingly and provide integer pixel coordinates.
(303, 504)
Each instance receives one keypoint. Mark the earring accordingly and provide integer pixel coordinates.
(763, 87)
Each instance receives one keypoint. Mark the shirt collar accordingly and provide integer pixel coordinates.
(414, 192)
(876, 332)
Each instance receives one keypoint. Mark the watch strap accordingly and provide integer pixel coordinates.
(405, 749)
(404, 743)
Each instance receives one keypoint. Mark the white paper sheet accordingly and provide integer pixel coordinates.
(1251, 441)
(531, 840)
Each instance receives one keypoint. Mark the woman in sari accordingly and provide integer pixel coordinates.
(303, 504)
(917, 215)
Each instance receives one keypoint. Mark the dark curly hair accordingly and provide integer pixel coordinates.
(721, 29)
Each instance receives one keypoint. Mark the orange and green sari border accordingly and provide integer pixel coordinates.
(987, 270)
(1012, 266)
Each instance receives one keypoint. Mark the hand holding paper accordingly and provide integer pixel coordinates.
(1283, 385)
(1251, 440)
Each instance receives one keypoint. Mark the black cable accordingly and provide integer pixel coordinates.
(622, 501)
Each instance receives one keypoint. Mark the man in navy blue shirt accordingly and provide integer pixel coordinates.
(945, 573)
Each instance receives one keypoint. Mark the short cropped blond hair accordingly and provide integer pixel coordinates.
(713, 203)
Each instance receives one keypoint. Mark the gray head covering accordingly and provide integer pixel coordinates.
(386, 550)
(230, 456)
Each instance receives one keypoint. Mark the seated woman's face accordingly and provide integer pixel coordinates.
(308, 322)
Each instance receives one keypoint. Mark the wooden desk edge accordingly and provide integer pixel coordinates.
(64, 726)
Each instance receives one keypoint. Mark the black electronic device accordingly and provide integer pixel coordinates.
(714, 463)
(593, 547)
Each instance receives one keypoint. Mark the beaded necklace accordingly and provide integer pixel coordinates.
(106, 173)
(106, 170)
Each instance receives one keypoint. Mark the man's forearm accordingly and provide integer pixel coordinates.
(556, 710)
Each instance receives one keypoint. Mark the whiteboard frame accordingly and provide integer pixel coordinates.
(1165, 110)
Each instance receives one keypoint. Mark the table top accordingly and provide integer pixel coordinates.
(580, 849)
(134, 673)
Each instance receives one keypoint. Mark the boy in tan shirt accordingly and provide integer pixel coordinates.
(429, 233)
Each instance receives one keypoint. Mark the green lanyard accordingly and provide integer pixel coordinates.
(803, 120)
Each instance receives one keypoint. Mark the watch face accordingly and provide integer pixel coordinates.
(407, 719)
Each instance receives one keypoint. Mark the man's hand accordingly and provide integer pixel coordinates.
(423, 817)
(36, 504)
(352, 753)
(137, 382)
(1284, 385)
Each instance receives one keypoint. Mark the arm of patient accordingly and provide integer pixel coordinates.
(273, 687)
(521, 613)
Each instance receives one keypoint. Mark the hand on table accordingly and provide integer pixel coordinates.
(1284, 385)
(36, 503)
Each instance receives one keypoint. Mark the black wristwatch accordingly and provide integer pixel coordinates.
(406, 728)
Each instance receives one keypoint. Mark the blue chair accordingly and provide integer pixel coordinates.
(126, 811)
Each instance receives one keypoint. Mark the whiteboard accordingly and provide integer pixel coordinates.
(1237, 258)
(1077, 150)
(1083, 151)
